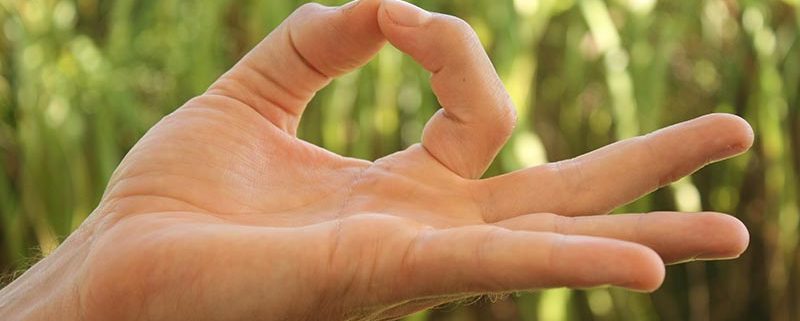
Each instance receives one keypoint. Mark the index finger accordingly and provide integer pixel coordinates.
(477, 116)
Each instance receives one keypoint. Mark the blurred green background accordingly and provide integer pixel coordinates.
(82, 80)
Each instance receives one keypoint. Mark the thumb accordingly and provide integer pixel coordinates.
(313, 45)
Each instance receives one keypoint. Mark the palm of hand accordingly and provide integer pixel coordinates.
(219, 212)
(335, 217)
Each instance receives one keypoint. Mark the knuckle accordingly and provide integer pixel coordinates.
(554, 223)
(553, 265)
(308, 9)
(457, 29)
(567, 177)
(484, 259)
(508, 118)
(458, 24)
(648, 153)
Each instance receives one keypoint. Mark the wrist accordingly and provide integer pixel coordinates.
(49, 290)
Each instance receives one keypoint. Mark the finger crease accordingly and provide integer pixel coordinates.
(308, 64)
(266, 76)
(292, 114)
(551, 263)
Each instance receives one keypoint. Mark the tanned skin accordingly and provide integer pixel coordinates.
(221, 213)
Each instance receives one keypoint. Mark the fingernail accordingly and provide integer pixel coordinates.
(713, 256)
(405, 14)
(349, 5)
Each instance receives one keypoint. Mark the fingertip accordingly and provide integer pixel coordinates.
(384, 23)
(741, 238)
(737, 131)
(653, 283)
(646, 270)
(615, 262)
(387, 26)
(355, 8)
(732, 238)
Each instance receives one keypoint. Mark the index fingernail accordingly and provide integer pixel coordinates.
(405, 14)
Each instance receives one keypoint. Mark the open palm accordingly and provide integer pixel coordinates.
(221, 213)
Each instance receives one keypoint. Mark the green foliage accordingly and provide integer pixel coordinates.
(82, 80)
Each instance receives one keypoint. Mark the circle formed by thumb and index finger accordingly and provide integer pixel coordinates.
(316, 43)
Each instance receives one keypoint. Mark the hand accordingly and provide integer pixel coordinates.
(221, 213)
